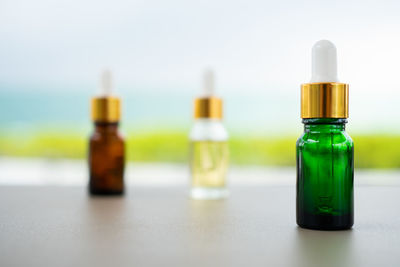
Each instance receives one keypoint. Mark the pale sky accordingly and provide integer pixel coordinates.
(249, 43)
(254, 46)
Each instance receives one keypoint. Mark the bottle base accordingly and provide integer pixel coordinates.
(325, 222)
(209, 193)
(93, 192)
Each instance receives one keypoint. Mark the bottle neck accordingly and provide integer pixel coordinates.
(106, 127)
(216, 120)
(324, 125)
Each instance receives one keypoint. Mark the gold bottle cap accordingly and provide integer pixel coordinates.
(106, 109)
(208, 107)
(324, 100)
(324, 97)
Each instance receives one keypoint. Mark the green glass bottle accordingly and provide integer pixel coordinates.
(325, 167)
(325, 175)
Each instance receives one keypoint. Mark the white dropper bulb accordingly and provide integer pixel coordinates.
(208, 83)
(106, 83)
(324, 62)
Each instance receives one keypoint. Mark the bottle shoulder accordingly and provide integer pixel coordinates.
(325, 138)
(208, 130)
(110, 136)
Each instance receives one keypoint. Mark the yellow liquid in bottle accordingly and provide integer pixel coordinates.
(209, 164)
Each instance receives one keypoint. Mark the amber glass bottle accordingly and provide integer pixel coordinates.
(106, 147)
(106, 160)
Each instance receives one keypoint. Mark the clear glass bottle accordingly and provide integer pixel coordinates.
(325, 168)
(209, 159)
(209, 152)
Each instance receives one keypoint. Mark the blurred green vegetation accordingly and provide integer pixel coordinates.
(371, 151)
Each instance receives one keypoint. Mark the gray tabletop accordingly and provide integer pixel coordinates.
(161, 226)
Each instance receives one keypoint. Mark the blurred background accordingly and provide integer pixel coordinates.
(52, 53)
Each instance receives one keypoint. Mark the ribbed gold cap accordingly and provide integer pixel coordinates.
(106, 109)
(324, 100)
(208, 107)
